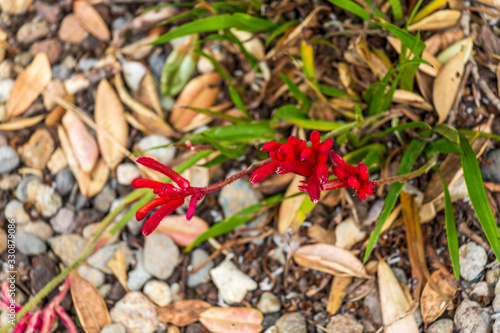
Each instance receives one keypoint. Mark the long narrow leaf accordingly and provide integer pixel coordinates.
(238, 102)
(397, 10)
(304, 101)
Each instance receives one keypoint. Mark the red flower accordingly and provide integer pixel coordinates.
(169, 198)
(295, 157)
(349, 176)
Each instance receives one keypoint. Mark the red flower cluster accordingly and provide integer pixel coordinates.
(295, 157)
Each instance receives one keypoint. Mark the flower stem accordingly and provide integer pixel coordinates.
(403, 178)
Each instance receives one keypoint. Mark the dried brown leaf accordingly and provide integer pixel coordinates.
(232, 320)
(337, 293)
(446, 85)
(181, 231)
(289, 207)
(90, 20)
(442, 19)
(118, 265)
(16, 7)
(90, 306)
(147, 94)
(28, 85)
(319, 234)
(432, 302)
(83, 143)
(71, 31)
(110, 117)
(330, 259)
(429, 70)
(21, 123)
(182, 313)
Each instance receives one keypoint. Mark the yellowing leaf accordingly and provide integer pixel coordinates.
(83, 143)
(394, 303)
(232, 320)
(119, 267)
(182, 313)
(148, 95)
(446, 86)
(429, 70)
(90, 20)
(21, 123)
(330, 259)
(110, 117)
(432, 302)
(337, 294)
(439, 20)
(181, 231)
(28, 85)
(90, 306)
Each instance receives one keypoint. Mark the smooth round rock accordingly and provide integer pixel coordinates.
(21, 192)
(198, 257)
(46, 200)
(139, 275)
(9, 182)
(471, 318)
(40, 229)
(38, 150)
(67, 247)
(94, 276)
(345, 322)
(473, 258)
(158, 292)
(65, 181)
(491, 171)
(292, 323)
(232, 283)
(496, 326)
(64, 221)
(496, 303)
(268, 303)
(29, 244)
(5, 88)
(32, 31)
(114, 328)
(136, 313)
(14, 210)
(163, 155)
(8, 159)
(160, 255)
(126, 173)
(103, 201)
(441, 326)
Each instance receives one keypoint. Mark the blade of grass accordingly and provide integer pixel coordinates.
(304, 101)
(477, 195)
(397, 10)
(246, 133)
(238, 102)
(221, 70)
(280, 30)
(411, 154)
(401, 127)
(307, 54)
(451, 227)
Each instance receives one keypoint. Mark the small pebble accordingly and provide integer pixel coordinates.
(32, 31)
(51, 47)
(441, 326)
(114, 328)
(57, 162)
(46, 200)
(100, 259)
(158, 292)
(5, 88)
(9, 182)
(103, 201)
(40, 229)
(126, 173)
(482, 293)
(29, 244)
(471, 318)
(492, 275)
(64, 221)
(491, 171)
(232, 283)
(473, 258)
(8, 159)
(65, 181)
(14, 211)
(344, 323)
(160, 255)
(198, 257)
(496, 303)
(21, 192)
(156, 63)
(3, 241)
(139, 275)
(105, 289)
(67, 247)
(92, 275)
(38, 150)
(60, 72)
(496, 326)
(136, 313)
(23, 59)
(163, 155)
(268, 303)
(291, 323)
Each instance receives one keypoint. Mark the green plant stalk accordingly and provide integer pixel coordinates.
(403, 178)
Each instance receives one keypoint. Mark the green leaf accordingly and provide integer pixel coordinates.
(280, 30)
(231, 153)
(401, 127)
(192, 13)
(340, 130)
(479, 133)
(352, 7)
(407, 39)
(229, 37)
(331, 91)
(217, 66)
(238, 102)
(216, 161)
(477, 195)
(397, 10)
(236, 220)
(244, 133)
(448, 132)
(238, 21)
(442, 145)
(292, 114)
(304, 101)
(451, 227)
(216, 114)
(411, 154)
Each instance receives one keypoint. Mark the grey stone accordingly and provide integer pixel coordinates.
(163, 155)
(29, 244)
(8, 159)
(268, 303)
(21, 189)
(94, 276)
(198, 257)
(9, 182)
(105, 289)
(471, 318)
(156, 63)
(158, 292)
(114, 328)
(492, 276)
(491, 171)
(482, 293)
(64, 221)
(139, 275)
(496, 326)
(46, 200)
(65, 181)
(441, 326)
(67, 247)
(100, 259)
(5, 88)
(291, 323)
(126, 173)
(496, 303)
(232, 283)
(344, 323)
(473, 258)
(40, 229)
(32, 31)
(160, 255)
(60, 72)
(136, 313)
(103, 201)
(87, 64)
(14, 210)
(37, 151)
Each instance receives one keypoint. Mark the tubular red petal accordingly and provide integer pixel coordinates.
(353, 171)
(157, 166)
(326, 146)
(354, 182)
(144, 210)
(307, 156)
(298, 147)
(192, 206)
(296, 167)
(362, 194)
(313, 189)
(66, 319)
(363, 172)
(145, 183)
(287, 150)
(47, 317)
(264, 171)
(339, 173)
(315, 145)
(152, 223)
(368, 187)
(270, 146)
(292, 140)
(335, 184)
(33, 323)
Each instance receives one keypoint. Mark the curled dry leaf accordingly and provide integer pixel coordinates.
(394, 303)
(432, 302)
(83, 143)
(71, 31)
(147, 94)
(465, 45)
(439, 20)
(90, 20)
(251, 43)
(330, 259)
(118, 266)
(21, 123)
(181, 231)
(232, 320)
(182, 313)
(411, 98)
(110, 118)
(90, 306)
(337, 293)
(348, 233)
(289, 207)
(200, 92)
(28, 85)
(319, 234)
(446, 86)
(429, 70)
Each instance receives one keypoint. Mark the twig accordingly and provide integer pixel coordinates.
(484, 85)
